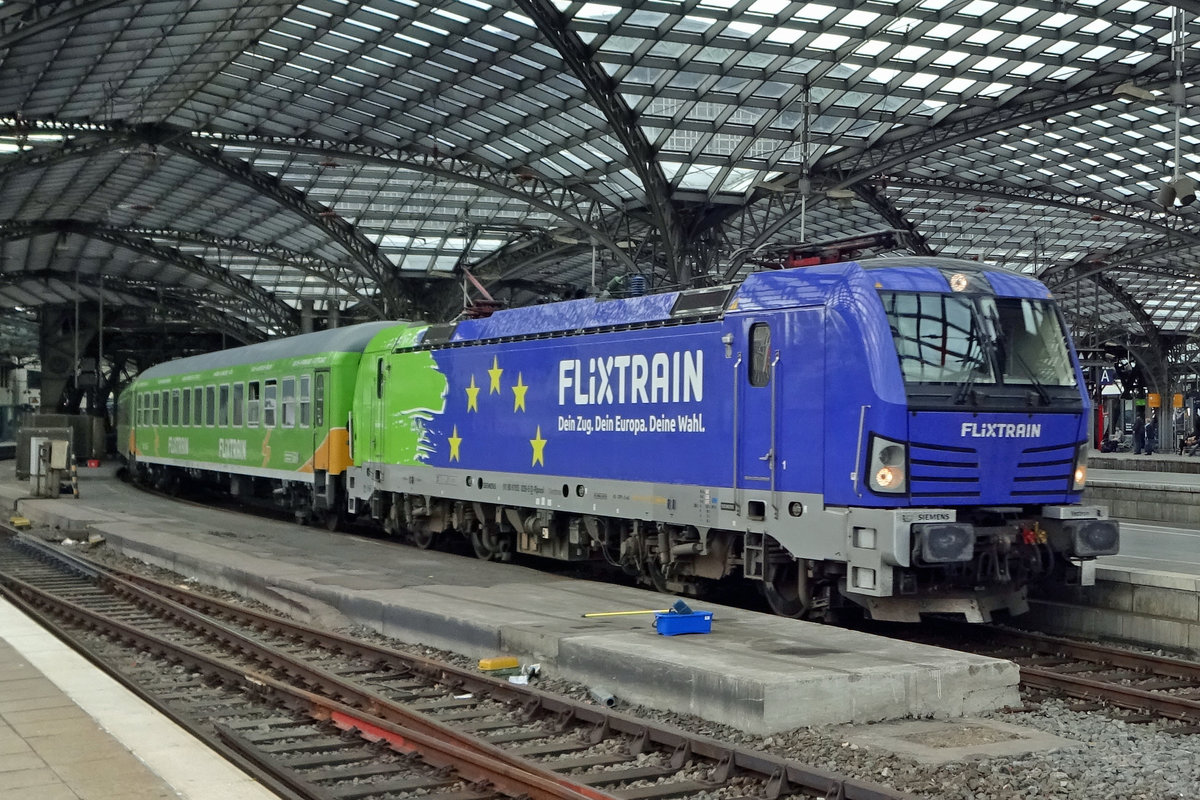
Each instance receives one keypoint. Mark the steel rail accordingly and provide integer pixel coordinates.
(473, 759)
(1104, 658)
(1124, 696)
(780, 774)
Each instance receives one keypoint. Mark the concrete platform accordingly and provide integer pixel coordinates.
(757, 672)
(1148, 594)
(1150, 488)
(69, 732)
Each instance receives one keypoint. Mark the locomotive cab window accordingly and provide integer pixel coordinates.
(965, 348)
(760, 354)
(270, 391)
(252, 404)
(288, 402)
(239, 400)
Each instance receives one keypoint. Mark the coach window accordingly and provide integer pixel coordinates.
(198, 406)
(210, 405)
(287, 402)
(252, 404)
(166, 406)
(175, 407)
(186, 416)
(305, 400)
(223, 405)
(239, 398)
(760, 354)
(270, 391)
(154, 408)
(141, 409)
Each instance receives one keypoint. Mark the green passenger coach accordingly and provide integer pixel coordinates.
(264, 418)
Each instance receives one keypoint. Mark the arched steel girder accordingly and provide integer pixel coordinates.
(602, 91)
(42, 15)
(882, 205)
(1152, 336)
(561, 200)
(366, 254)
(82, 140)
(339, 275)
(185, 309)
(1132, 253)
(1147, 216)
(572, 203)
(854, 164)
(1143, 214)
(271, 310)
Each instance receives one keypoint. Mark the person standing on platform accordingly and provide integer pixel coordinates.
(1151, 434)
(1139, 434)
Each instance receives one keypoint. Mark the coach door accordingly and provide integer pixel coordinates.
(322, 440)
(756, 419)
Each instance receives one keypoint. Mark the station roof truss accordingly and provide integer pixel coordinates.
(403, 159)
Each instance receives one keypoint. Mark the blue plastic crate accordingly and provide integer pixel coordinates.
(672, 624)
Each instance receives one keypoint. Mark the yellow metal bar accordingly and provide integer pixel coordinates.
(623, 613)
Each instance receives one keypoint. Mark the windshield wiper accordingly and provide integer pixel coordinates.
(976, 362)
(1033, 379)
(1038, 386)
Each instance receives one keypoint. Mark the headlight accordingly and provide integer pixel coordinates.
(1079, 478)
(888, 466)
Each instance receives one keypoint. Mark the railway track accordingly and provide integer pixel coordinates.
(1152, 687)
(314, 714)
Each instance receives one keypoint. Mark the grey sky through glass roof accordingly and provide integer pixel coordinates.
(365, 154)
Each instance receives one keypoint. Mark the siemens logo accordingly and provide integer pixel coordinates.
(660, 378)
(1001, 430)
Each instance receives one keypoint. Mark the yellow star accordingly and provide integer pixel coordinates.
(495, 373)
(519, 394)
(472, 396)
(455, 440)
(539, 445)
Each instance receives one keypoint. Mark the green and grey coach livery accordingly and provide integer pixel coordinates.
(272, 415)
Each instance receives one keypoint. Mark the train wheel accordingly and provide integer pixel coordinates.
(484, 544)
(492, 545)
(423, 537)
(652, 572)
(781, 588)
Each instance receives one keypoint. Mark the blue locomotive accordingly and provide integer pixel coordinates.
(902, 435)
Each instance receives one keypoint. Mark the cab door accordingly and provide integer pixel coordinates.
(756, 451)
(379, 410)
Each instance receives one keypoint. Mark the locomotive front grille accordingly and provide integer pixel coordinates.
(957, 473)
(943, 471)
(1044, 470)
